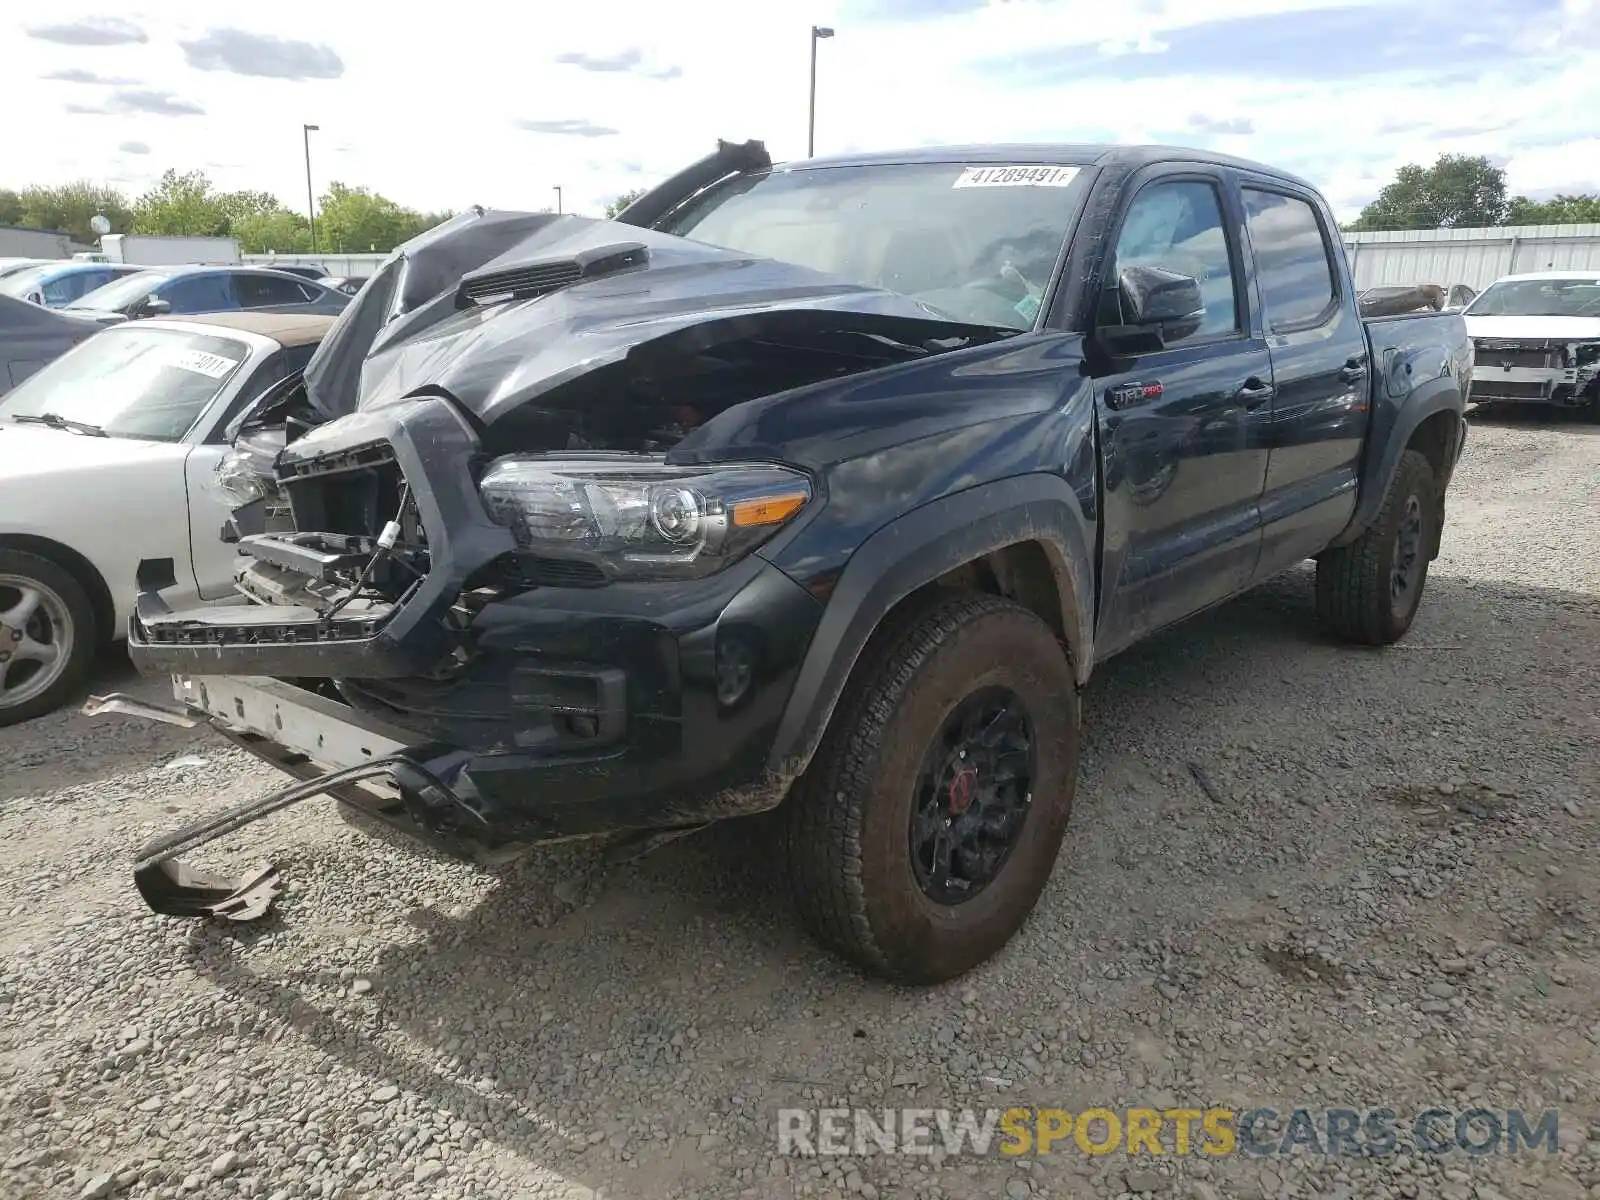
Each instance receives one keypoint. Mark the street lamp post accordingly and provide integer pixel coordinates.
(311, 207)
(558, 199)
(818, 32)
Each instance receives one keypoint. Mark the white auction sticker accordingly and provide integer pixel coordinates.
(1016, 175)
(213, 366)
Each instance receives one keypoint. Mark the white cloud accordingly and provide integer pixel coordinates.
(474, 104)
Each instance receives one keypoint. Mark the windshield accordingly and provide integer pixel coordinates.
(131, 381)
(977, 243)
(1539, 298)
(117, 295)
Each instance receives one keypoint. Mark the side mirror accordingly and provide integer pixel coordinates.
(1153, 296)
(1158, 305)
(155, 306)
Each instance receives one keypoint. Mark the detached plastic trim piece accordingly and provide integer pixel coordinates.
(175, 889)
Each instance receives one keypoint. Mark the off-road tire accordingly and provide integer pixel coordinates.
(846, 825)
(1354, 592)
(76, 608)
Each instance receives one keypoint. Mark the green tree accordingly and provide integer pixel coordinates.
(355, 220)
(1457, 191)
(281, 230)
(1563, 210)
(622, 201)
(185, 204)
(240, 206)
(67, 207)
(181, 205)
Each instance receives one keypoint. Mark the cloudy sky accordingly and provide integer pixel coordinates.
(486, 102)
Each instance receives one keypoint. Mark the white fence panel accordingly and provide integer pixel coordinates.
(1475, 257)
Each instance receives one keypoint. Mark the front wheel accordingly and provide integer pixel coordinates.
(925, 829)
(47, 636)
(1369, 591)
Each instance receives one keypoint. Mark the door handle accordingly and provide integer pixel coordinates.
(1254, 393)
(1353, 371)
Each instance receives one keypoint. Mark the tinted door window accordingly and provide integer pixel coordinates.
(89, 280)
(1178, 227)
(64, 289)
(265, 291)
(197, 294)
(1292, 259)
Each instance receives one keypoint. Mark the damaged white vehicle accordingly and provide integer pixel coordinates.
(1537, 341)
(107, 456)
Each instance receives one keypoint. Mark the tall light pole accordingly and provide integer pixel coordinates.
(311, 206)
(818, 32)
(558, 199)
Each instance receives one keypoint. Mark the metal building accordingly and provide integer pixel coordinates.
(1475, 257)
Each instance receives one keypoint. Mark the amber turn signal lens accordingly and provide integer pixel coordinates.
(769, 510)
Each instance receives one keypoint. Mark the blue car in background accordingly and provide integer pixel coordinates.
(58, 284)
(174, 291)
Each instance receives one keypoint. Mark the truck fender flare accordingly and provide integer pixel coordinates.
(1386, 445)
(916, 549)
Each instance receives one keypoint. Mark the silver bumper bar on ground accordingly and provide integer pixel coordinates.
(332, 749)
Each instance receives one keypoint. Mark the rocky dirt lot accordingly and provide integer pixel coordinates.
(1389, 901)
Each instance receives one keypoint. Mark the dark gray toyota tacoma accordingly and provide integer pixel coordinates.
(822, 487)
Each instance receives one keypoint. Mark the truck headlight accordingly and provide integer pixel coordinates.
(1584, 354)
(641, 520)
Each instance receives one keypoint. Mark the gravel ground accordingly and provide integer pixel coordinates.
(1390, 900)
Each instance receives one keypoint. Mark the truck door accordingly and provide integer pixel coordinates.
(1319, 365)
(1183, 429)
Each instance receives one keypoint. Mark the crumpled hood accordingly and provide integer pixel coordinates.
(406, 331)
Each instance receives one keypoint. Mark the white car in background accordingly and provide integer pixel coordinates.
(1536, 340)
(108, 455)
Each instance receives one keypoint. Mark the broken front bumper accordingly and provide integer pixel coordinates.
(1492, 384)
(575, 711)
(413, 787)
(356, 761)
(433, 448)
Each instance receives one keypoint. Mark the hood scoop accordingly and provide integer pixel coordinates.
(528, 280)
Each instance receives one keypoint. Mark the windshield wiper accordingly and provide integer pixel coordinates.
(57, 421)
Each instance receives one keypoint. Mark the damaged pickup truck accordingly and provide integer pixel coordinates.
(822, 486)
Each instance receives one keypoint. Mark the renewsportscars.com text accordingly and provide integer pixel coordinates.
(1216, 1132)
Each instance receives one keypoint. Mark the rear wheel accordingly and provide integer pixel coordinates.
(1369, 591)
(927, 825)
(47, 636)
